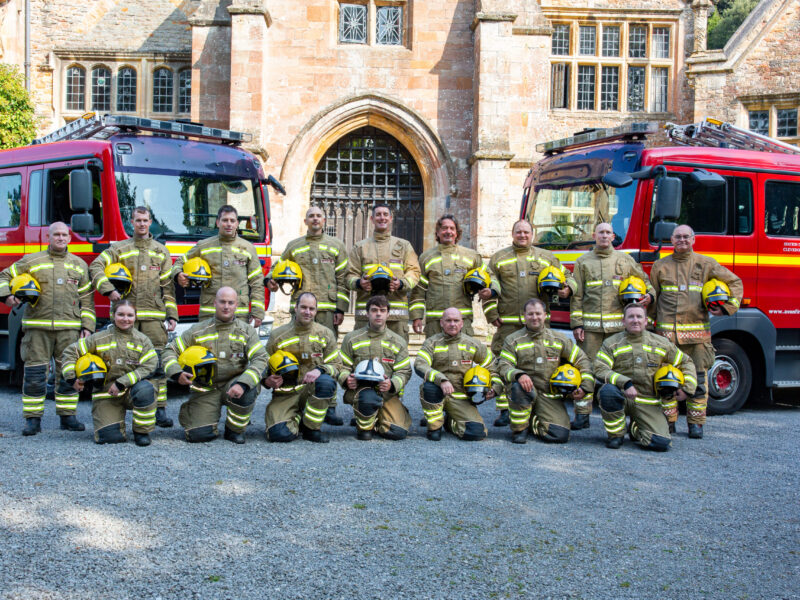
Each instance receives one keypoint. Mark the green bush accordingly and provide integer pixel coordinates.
(17, 123)
(726, 20)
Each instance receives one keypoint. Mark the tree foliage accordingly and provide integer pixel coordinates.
(17, 122)
(729, 15)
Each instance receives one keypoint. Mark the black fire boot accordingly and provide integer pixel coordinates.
(580, 422)
(162, 420)
(237, 437)
(503, 420)
(33, 425)
(331, 418)
(141, 439)
(695, 431)
(70, 423)
(519, 437)
(364, 435)
(435, 435)
(615, 443)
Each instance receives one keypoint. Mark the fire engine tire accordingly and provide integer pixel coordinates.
(729, 378)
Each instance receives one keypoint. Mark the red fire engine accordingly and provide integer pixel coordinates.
(91, 173)
(739, 191)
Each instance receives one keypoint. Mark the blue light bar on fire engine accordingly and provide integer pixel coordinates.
(596, 136)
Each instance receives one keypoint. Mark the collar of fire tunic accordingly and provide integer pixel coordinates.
(634, 337)
(116, 330)
(446, 247)
(683, 256)
(143, 241)
(227, 239)
(219, 323)
(604, 252)
(535, 333)
(449, 339)
(521, 249)
(302, 328)
(56, 253)
(311, 237)
(382, 237)
(373, 333)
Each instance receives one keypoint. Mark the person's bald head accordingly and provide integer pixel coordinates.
(225, 303)
(58, 236)
(452, 322)
(603, 235)
(682, 239)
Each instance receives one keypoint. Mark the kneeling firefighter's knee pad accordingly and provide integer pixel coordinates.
(659, 443)
(473, 431)
(34, 381)
(557, 434)
(201, 434)
(520, 397)
(368, 401)
(110, 434)
(143, 393)
(395, 433)
(611, 399)
(324, 386)
(432, 393)
(280, 432)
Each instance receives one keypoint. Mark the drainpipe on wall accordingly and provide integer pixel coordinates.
(28, 45)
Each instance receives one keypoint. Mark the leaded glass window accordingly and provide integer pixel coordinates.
(587, 40)
(660, 86)
(661, 42)
(561, 40)
(636, 89)
(101, 88)
(390, 25)
(126, 90)
(637, 41)
(759, 121)
(76, 88)
(586, 84)
(560, 86)
(162, 90)
(352, 24)
(609, 88)
(611, 40)
(787, 122)
(185, 91)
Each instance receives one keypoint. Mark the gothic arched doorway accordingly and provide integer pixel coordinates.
(366, 167)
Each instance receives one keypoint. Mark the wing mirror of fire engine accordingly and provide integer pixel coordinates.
(274, 183)
(662, 231)
(706, 179)
(80, 190)
(617, 179)
(668, 198)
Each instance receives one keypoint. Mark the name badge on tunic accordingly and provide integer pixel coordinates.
(60, 281)
(222, 355)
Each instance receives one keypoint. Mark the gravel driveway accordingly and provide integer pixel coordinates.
(714, 518)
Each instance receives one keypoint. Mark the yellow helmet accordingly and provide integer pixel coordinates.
(565, 380)
(667, 380)
(90, 368)
(288, 272)
(476, 280)
(632, 289)
(380, 277)
(477, 381)
(198, 271)
(199, 362)
(120, 277)
(716, 293)
(550, 280)
(26, 288)
(284, 364)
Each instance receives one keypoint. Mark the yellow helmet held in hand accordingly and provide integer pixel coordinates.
(199, 362)
(285, 365)
(668, 380)
(477, 381)
(550, 280)
(565, 380)
(198, 271)
(288, 272)
(90, 368)
(632, 289)
(26, 289)
(380, 277)
(716, 293)
(476, 280)
(120, 277)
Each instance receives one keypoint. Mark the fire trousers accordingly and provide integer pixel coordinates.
(702, 356)
(38, 347)
(591, 343)
(505, 330)
(108, 412)
(158, 335)
(307, 404)
(200, 414)
(648, 426)
(544, 413)
(455, 412)
(382, 412)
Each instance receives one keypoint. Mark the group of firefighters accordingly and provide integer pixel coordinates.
(642, 344)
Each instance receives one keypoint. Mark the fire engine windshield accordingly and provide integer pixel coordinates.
(184, 204)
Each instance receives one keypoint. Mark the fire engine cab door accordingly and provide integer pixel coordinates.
(35, 206)
(778, 214)
(55, 205)
(12, 227)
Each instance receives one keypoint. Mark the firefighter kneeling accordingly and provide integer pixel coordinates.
(117, 363)
(444, 362)
(222, 359)
(376, 368)
(303, 366)
(529, 359)
(644, 373)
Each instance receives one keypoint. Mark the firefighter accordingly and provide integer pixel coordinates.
(375, 390)
(516, 271)
(441, 284)
(526, 363)
(628, 362)
(394, 255)
(682, 317)
(442, 362)
(596, 305)
(239, 360)
(234, 263)
(63, 312)
(151, 290)
(323, 262)
(126, 359)
(299, 403)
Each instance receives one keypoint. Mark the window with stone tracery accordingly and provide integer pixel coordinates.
(373, 22)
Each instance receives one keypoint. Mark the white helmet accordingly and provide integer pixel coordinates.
(369, 372)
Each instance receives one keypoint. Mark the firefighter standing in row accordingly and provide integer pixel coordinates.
(681, 314)
(303, 366)
(234, 262)
(526, 364)
(442, 363)
(146, 281)
(118, 361)
(322, 263)
(383, 264)
(61, 311)
(377, 350)
(441, 284)
(227, 359)
(596, 305)
(516, 270)
(629, 363)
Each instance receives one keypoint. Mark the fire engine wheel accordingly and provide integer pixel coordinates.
(729, 378)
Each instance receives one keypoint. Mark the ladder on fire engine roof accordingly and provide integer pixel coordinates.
(101, 127)
(718, 134)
